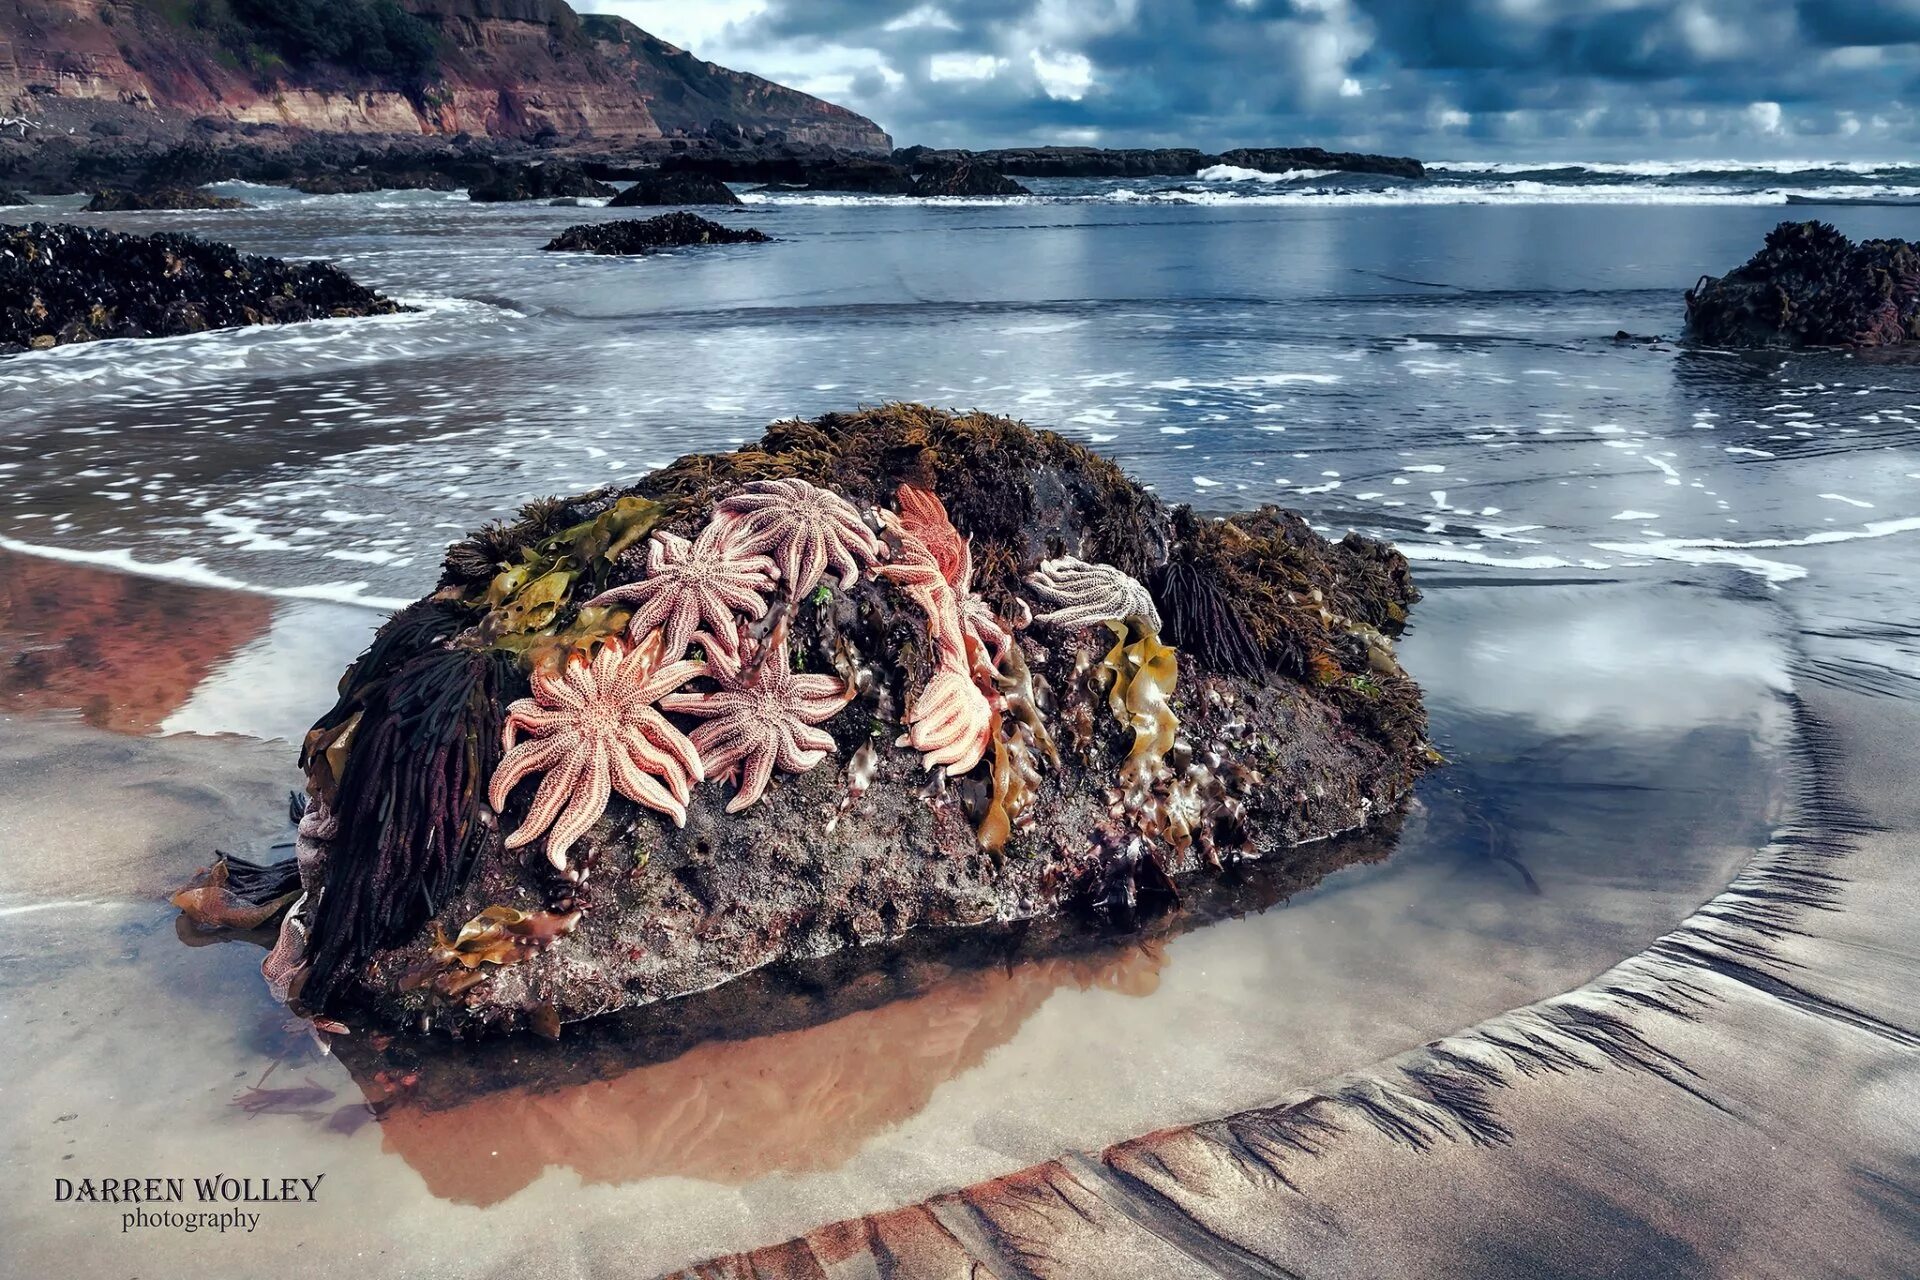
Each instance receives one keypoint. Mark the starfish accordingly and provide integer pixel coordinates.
(806, 527)
(763, 716)
(1090, 593)
(923, 517)
(593, 730)
(693, 583)
(951, 720)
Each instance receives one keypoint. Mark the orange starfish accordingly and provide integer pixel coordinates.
(593, 730)
(690, 584)
(806, 527)
(762, 716)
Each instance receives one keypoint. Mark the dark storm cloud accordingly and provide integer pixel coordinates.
(1747, 77)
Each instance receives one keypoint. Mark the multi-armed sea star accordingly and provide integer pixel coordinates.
(1087, 594)
(951, 721)
(762, 716)
(807, 528)
(924, 516)
(691, 584)
(593, 730)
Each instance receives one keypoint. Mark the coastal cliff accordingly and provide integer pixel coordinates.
(125, 72)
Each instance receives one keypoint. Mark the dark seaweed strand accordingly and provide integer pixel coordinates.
(411, 631)
(410, 807)
(1201, 620)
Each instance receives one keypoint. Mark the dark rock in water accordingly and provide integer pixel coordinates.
(1811, 286)
(363, 181)
(880, 674)
(564, 202)
(968, 178)
(668, 231)
(1281, 159)
(860, 175)
(128, 200)
(13, 199)
(61, 283)
(540, 181)
(674, 188)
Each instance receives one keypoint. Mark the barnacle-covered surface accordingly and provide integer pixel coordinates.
(995, 747)
(1809, 285)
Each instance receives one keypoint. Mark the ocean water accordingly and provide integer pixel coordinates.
(1620, 541)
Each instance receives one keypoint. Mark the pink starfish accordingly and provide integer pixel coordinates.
(593, 730)
(762, 716)
(806, 527)
(924, 516)
(951, 720)
(689, 584)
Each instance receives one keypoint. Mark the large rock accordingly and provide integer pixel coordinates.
(636, 236)
(61, 283)
(968, 178)
(955, 736)
(543, 180)
(1145, 162)
(674, 188)
(128, 200)
(1282, 159)
(1811, 286)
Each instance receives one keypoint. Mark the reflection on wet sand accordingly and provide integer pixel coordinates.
(124, 652)
(730, 1112)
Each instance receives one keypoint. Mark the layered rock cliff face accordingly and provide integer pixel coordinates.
(524, 69)
(689, 96)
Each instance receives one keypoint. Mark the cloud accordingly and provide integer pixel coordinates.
(1567, 78)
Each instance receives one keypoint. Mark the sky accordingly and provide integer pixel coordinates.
(1538, 79)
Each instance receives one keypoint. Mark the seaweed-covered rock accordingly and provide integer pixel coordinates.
(650, 235)
(543, 180)
(1811, 286)
(674, 188)
(365, 180)
(146, 199)
(967, 178)
(61, 283)
(877, 674)
(10, 198)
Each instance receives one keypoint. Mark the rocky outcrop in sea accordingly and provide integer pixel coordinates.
(61, 283)
(674, 188)
(1811, 286)
(636, 236)
(967, 178)
(878, 675)
(542, 180)
(130, 200)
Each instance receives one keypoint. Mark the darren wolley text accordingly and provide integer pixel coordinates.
(216, 1189)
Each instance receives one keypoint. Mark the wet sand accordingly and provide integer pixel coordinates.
(1740, 1099)
(130, 1053)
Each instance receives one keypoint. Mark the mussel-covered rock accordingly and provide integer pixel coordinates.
(1811, 286)
(674, 188)
(61, 283)
(650, 235)
(876, 674)
(543, 180)
(967, 178)
(147, 199)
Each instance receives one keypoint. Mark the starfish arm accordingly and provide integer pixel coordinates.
(553, 792)
(523, 760)
(692, 704)
(668, 678)
(642, 788)
(584, 809)
(654, 737)
(756, 772)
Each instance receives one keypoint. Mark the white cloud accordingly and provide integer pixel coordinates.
(927, 17)
(1765, 116)
(1066, 76)
(1350, 88)
(700, 27)
(964, 66)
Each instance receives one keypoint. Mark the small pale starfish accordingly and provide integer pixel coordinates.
(691, 584)
(806, 528)
(593, 730)
(762, 717)
(1088, 594)
(952, 721)
(924, 518)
